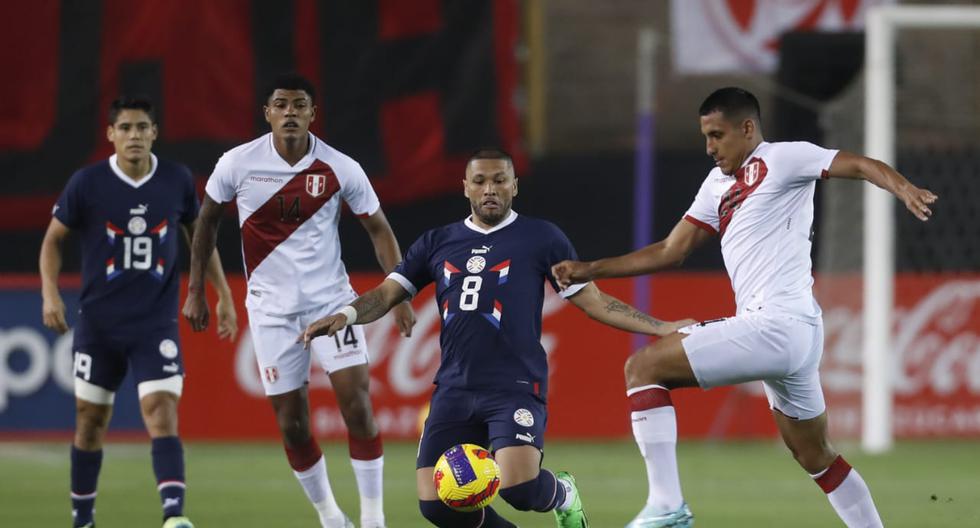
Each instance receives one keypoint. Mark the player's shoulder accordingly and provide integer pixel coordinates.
(94, 170)
(173, 169)
(340, 163)
(531, 224)
(249, 150)
(785, 148)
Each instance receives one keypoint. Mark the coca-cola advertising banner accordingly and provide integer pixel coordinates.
(936, 350)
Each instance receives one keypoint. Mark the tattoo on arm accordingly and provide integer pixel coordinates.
(370, 306)
(615, 306)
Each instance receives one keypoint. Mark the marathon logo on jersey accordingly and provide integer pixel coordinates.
(316, 184)
(271, 374)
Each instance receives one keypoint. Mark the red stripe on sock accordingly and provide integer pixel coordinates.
(302, 457)
(365, 449)
(650, 399)
(835, 474)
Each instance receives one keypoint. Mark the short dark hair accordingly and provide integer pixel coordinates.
(290, 81)
(491, 153)
(734, 103)
(131, 103)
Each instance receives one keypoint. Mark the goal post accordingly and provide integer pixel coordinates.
(879, 223)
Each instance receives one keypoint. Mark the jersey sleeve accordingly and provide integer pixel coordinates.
(70, 207)
(413, 273)
(356, 190)
(704, 210)
(805, 162)
(191, 205)
(221, 186)
(561, 248)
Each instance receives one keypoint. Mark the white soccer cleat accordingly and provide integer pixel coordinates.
(336, 522)
(650, 517)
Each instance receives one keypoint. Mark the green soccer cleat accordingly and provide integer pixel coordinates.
(574, 516)
(650, 517)
(178, 522)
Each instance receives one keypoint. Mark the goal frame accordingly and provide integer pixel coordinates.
(883, 22)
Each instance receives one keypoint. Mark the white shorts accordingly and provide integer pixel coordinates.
(284, 364)
(781, 351)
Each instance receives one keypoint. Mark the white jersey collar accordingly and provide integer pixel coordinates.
(756, 149)
(506, 222)
(113, 164)
(301, 162)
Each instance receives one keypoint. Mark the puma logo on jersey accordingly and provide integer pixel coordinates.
(173, 367)
(481, 251)
(141, 210)
(529, 438)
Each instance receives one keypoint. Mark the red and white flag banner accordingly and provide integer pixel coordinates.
(728, 36)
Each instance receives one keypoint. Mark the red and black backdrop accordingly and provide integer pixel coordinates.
(409, 89)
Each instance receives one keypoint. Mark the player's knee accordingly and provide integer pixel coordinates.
(813, 459)
(639, 370)
(358, 417)
(443, 516)
(295, 429)
(91, 422)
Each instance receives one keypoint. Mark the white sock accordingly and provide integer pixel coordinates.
(370, 480)
(852, 500)
(316, 485)
(655, 431)
(569, 495)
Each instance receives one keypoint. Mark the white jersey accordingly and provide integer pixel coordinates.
(288, 217)
(764, 215)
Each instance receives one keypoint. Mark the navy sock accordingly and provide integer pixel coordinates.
(85, 466)
(168, 466)
(541, 494)
(443, 516)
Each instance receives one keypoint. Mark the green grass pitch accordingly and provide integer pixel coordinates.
(729, 484)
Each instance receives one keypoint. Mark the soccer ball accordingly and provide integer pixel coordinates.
(467, 477)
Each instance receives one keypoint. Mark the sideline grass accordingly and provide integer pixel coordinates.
(728, 484)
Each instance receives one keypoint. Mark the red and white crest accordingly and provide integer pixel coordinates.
(316, 184)
(751, 173)
(271, 374)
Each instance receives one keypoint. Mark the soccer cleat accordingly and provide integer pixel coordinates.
(574, 516)
(87, 525)
(178, 522)
(650, 517)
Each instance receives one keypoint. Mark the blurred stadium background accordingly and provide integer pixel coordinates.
(603, 126)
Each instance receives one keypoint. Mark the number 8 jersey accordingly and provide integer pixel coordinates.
(129, 231)
(490, 292)
(288, 216)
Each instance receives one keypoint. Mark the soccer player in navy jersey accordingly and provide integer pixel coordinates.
(492, 385)
(127, 211)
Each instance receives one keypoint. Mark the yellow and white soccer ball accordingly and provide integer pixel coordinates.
(467, 477)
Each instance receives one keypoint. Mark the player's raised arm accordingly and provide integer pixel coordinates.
(53, 307)
(225, 307)
(850, 165)
(668, 253)
(365, 309)
(611, 311)
(389, 255)
(202, 246)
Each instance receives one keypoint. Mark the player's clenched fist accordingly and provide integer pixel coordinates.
(196, 311)
(568, 272)
(327, 326)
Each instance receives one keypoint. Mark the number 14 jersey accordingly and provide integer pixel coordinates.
(288, 216)
(490, 293)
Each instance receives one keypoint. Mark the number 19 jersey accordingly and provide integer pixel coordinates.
(490, 292)
(288, 216)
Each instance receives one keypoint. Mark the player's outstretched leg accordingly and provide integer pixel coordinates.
(648, 373)
(846, 490)
(305, 457)
(364, 441)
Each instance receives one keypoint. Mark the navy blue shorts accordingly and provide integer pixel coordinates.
(489, 418)
(103, 359)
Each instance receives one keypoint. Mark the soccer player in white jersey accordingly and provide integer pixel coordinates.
(759, 201)
(290, 186)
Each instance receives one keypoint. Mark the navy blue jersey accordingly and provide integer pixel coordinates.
(490, 291)
(129, 233)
